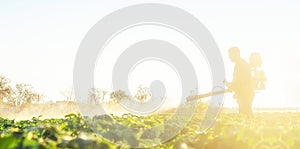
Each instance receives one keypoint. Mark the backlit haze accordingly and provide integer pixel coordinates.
(39, 41)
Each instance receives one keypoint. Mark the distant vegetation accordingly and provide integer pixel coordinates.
(22, 94)
(18, 94)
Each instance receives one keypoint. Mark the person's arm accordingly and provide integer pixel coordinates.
(228, 85)
(232, 85)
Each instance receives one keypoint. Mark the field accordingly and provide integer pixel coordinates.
(232, 131)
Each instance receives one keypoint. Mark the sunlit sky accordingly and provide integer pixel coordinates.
(39, 41)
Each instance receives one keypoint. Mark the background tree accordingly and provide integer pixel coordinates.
(143, 94)
(96, 96)
(6, 90)
(24, 94)
(117, 96)
(69, 95)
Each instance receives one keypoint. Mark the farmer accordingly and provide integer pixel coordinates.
(241, 83)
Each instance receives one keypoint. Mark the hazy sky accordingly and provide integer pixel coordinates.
(39, 40)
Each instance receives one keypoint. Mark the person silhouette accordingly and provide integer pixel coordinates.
(241, 83)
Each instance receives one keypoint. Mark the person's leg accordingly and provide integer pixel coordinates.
(248, 105)
(239, 106)
(242, 106)
(249, 109)
(250, 101)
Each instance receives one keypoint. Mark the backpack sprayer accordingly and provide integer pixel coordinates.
(258, 78)
(258, 75)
